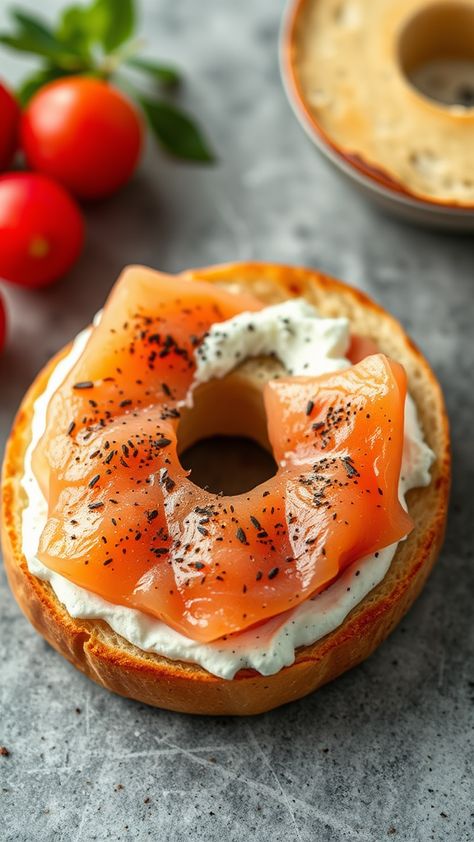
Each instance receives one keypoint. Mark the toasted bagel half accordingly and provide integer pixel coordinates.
(93, 647)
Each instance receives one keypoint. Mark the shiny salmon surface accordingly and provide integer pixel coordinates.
(126, 522)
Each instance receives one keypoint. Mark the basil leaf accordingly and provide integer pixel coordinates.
(115, 20)
(176, 131)
(162, 73)
(33, 83)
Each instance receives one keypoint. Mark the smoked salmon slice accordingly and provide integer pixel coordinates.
(141, 353)
(126, 522)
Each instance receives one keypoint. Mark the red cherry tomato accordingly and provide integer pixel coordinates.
(84, 133)
(3, 323)
(41, 229)
(9, 125)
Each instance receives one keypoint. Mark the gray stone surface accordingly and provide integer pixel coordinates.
(386, 751)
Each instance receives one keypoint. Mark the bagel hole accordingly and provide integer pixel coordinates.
(436, 53)
(222, 438)
(228, 465)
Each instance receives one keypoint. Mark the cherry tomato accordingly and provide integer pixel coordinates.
(3, 323)
(84, 133)
(9, 125)
(41, 229)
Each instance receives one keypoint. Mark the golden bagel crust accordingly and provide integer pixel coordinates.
(108, 659)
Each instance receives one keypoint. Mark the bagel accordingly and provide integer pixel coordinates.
(93, 647)
(356, 73)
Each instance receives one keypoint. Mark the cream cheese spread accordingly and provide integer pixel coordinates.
(305, 344)
(291, 331)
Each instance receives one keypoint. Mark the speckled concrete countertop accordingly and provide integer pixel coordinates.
(386, 751)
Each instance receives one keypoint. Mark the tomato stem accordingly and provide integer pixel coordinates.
(112, 62)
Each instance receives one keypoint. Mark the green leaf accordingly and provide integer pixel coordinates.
(162, 73)
(105, 22)
(34, 27)
(32, 35)
(176, 131)
(76, 29)
(25, 44)
(20, 43)
(115, 21)
(33, 83)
